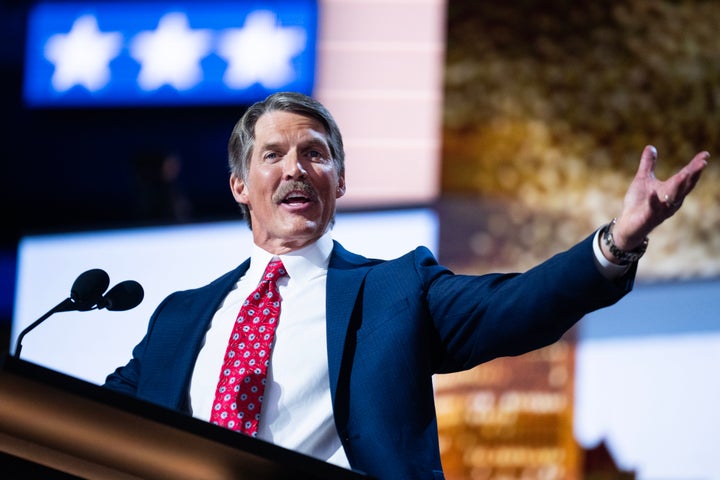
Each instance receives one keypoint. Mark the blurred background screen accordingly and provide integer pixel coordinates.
(163, 260)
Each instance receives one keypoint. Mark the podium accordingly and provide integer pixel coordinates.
(62, 425)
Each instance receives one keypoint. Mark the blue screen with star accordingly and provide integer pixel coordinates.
(179, 53)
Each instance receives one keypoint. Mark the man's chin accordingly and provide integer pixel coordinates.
(302, 227)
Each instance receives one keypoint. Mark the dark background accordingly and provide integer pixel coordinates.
(75, 169)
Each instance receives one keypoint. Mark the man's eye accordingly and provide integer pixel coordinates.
(271, 156)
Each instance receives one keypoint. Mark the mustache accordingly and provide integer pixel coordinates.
(301, 186)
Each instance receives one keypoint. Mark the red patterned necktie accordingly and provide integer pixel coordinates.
(239, 392)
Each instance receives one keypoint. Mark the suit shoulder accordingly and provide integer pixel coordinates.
(419, 257)
(221, 283)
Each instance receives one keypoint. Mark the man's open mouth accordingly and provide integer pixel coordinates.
(295, 198)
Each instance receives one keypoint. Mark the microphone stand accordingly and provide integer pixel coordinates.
(64, 306)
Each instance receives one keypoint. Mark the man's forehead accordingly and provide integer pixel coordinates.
(281, 123)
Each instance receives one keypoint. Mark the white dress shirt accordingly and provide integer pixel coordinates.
(297, 408)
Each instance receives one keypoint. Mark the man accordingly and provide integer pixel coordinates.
(358, 340)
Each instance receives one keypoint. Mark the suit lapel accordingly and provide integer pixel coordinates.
(346, 274)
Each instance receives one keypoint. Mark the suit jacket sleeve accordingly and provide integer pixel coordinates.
(482, 317)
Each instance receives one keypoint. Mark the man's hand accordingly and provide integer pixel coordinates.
(649, 201)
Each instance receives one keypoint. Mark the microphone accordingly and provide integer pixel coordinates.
(88, 289)
(86, 293)
(123, 296)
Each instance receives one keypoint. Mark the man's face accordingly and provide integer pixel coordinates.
(292, 183)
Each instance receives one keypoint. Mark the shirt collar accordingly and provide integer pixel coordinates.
(300, 264)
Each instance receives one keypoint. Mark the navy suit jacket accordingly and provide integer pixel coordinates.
(391, 325)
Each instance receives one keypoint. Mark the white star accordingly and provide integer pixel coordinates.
(171, 54)
(82, 56)
(260, 52)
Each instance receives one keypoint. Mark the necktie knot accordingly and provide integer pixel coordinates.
(274, 270)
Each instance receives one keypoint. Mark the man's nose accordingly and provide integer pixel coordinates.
(293, 167)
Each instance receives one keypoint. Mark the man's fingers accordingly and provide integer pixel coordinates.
(648, 160)
(690, 173)
(698, 163)
(683, 182)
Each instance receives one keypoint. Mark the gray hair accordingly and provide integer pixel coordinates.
(242, 138)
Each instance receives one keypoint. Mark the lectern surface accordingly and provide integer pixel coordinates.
(52, 421)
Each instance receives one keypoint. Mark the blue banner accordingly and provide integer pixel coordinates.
(173, 53)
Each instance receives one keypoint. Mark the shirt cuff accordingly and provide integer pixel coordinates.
(610, 270)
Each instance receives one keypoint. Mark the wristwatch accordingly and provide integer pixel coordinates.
(623, 256)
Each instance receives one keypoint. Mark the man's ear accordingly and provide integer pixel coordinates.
(340, 191)
(237, 187)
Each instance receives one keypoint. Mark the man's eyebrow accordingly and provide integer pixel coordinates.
(315, 142)
(269, 145)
